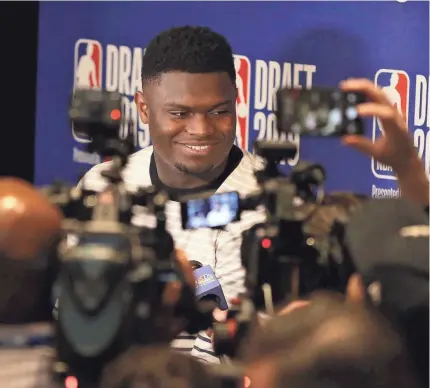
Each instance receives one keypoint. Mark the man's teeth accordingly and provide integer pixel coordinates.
(198, 148)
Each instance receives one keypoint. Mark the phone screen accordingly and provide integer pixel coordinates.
(212, 212)
(319, 112)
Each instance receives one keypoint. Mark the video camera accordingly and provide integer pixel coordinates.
(282, 261)
(111, 275)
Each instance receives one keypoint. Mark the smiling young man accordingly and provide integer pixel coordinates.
(188, 100)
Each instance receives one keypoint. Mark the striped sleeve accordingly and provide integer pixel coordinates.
(229, 272)
(183, 342)
(203, 349)
(228, 263)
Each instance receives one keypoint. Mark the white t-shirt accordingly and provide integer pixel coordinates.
(218, 248)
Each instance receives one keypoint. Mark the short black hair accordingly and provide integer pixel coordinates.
(187, 49)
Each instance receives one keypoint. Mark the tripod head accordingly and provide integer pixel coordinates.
(96, 115)
(273, 152)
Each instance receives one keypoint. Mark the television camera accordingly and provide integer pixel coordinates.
(111, 275)
(282, 261)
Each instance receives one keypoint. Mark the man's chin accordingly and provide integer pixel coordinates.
(196, 170)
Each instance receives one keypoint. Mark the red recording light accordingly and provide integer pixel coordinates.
(266, 243)
(115, 114)
(246, 382)
(231, 328)
(71, 382)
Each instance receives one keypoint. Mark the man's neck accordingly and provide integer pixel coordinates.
(174, 178)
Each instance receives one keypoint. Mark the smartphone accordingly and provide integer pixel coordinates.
(211, 212)
(319, 112)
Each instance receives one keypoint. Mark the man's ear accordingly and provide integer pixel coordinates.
(142, 106)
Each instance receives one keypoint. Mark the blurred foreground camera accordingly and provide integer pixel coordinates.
(111, 275)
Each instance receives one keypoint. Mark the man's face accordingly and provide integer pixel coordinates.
(191, 118)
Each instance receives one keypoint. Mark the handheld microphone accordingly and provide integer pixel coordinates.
(195, 264)
(207, 285)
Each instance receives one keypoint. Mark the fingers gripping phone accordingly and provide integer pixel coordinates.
(215, 211)
(319, 112)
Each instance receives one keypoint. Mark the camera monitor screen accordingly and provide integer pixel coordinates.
(213, 212)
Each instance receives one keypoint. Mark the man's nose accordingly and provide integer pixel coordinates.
(200, 125)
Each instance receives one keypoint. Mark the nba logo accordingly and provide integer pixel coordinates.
(243, 81)
(395, 85)
(88, 72)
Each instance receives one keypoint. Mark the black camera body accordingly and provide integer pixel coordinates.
(282, 262)
(95, 113)
(103, 298)
(111, 275)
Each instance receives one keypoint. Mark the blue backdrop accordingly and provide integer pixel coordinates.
(289, 43)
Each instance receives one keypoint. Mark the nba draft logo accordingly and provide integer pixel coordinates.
(395, 84)
(243, 82)
(88, 71)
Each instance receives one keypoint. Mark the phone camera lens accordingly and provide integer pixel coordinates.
(336, 96)
(351, 113)
(351, 98)
(351, 128)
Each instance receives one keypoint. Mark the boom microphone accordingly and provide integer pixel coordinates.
(207, 285)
